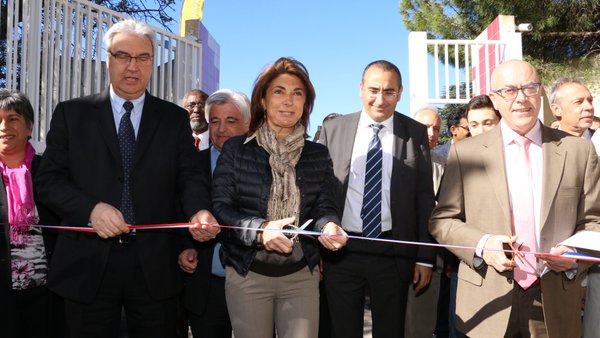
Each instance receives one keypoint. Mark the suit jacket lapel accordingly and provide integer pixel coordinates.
(554, 164)
(400, 139)
(346, 152)
(148, 124)
(103, 106)
(492, 159)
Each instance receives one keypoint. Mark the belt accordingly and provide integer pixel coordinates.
(384, 234)
(126, 238)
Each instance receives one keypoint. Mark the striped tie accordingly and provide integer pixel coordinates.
(371, 208)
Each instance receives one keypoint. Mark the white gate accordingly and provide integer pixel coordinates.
(463, 64)
(54, 52)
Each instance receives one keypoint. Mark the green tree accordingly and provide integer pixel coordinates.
(564, 31)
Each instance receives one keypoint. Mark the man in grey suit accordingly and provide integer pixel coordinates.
(383, 170)
(529, 186)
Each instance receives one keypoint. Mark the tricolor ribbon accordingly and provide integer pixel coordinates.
(575, 255)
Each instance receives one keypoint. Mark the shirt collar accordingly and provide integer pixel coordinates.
(509, 135)
(365, 121)
(117, 101)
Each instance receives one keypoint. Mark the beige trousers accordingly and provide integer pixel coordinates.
(258, 303)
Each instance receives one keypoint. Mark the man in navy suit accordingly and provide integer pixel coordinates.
(407, 199)
(114, 159)
(228, 115)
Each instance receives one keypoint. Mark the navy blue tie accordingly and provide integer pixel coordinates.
(371, 208)
(127, 148)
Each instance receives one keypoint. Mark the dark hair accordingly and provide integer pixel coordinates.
(18, 102)
(481, 102)
(386, 66)
(284, 65)
(455, 112)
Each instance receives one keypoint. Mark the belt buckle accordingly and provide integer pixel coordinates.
(124, 239)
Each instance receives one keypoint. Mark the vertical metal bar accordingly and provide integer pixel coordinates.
(436, 71)
(467, 72)
(446, 71)
(456, 71)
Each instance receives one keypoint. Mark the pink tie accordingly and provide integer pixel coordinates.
(525, 272)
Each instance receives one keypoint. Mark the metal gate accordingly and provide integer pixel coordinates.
(54, 52)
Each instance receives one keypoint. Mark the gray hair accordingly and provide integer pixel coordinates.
(425, 108)
(192, 92)
(561, 82)
(238, 99)
(133, 27)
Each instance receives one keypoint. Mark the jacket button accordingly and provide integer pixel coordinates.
(509, 280)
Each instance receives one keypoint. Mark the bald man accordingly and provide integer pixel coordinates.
(492, 197)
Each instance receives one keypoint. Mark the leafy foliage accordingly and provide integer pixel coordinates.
(563, 29)
(149, 11)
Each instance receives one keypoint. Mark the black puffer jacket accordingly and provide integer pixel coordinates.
(241, 187)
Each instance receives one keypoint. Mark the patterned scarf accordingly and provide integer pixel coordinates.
(19, 196)
(284, 198)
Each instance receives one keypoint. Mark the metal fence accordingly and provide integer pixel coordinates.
(54, 52)
(457, 70)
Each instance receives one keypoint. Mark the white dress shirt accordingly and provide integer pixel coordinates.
(116, 103)
(204, 140)
(351, 220)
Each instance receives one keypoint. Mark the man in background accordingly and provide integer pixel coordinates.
(228, 115)
(194, 102)
(572, 105)
(458, 127)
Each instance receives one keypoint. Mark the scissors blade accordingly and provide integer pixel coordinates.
(305, 224)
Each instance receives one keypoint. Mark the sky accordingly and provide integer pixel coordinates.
(335, 40)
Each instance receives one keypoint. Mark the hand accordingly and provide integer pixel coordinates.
(559, 264)
(275, 240)
(188, 260)
(422, 277)
(204, 227)
(334, 237)
(107, 220)
(496, 258)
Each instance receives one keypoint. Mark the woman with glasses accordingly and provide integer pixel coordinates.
(266, 181)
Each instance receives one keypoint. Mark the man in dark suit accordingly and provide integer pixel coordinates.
(114, 159)
(381, 162)
(228, 115)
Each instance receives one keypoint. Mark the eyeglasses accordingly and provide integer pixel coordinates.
(464, 127)
(510, 93)
(125, 58)
(387, 94)
(193, 105)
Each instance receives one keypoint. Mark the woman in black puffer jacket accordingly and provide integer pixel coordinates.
(269, 179)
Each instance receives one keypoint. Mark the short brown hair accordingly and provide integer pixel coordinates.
(284, 65)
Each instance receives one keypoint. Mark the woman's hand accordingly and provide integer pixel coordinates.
(275, 240)
(334, 237)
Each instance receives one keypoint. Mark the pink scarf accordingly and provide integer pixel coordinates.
(19, 196)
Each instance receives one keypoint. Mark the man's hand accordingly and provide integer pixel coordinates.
(422, 277)
(188, 260)
(334, 237)
(559, 264)
(107, 220)
(275, 240)
(204, 227)
(496, 258)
